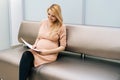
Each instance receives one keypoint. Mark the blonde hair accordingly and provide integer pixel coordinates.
(55, 8)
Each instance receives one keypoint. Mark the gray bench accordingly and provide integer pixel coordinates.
(92, 53)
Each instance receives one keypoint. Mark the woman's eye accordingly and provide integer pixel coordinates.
(48, 13)
(53, 16)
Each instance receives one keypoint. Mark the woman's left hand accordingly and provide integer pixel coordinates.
(44, 51)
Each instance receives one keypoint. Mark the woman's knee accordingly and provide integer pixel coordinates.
(27, 54)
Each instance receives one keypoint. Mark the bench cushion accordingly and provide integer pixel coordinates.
(69, 66)
(9, 62)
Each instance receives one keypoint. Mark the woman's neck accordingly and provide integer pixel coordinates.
(50, 23)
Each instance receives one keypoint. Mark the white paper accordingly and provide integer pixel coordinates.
(27, 44)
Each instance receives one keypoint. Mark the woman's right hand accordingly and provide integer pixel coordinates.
(34, 47)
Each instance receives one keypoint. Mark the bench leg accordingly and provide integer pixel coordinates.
(83, 56)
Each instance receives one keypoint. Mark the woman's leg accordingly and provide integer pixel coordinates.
(26, 65)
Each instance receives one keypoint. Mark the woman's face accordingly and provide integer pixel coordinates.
(51, 16)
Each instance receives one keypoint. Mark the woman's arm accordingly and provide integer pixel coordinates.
(35, 44)
(51, 51)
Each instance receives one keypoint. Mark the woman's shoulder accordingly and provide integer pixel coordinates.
(63, 26)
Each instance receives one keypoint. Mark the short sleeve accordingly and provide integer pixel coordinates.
(63, 36)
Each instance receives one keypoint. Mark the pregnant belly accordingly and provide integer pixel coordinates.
(46, 44)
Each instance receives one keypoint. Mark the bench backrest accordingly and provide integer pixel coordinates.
(92, 40)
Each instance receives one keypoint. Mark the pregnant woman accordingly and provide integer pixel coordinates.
(50, 41)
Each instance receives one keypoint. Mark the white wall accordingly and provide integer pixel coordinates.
(36, 10)
(16, 16)
(103, 12)
(88, 12)
(4, 24)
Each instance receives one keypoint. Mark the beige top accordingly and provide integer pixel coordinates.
(48, 42)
